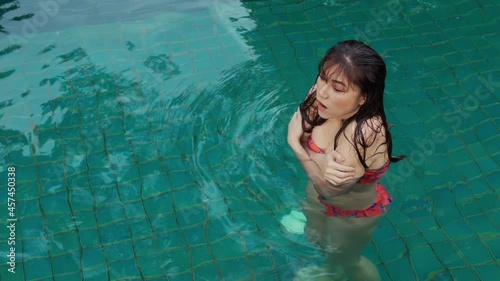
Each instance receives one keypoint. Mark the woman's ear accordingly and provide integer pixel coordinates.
(362, 100)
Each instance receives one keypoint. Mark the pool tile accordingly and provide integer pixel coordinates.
(401, 269)
(491, 145)
(229, 247)
(449, 255)
(254, 205)
(488, 271)
(192, 235)
(458, 229)
(425, 261)
(209, 272)
(234, 268)
(159, 204)
(114, 233)
(462, 193)
(150, 266)
(68, 239)
(480, 186)
(119, 251)
(261, 262)
(468, 170)
(169, 240)
(176, 262)
(110, 213)
(267, 276)
(188, 217)
(71, 263)
(470, 208)
(145, 247)
(385, 232)
(92, 258)
(41, 269)
(494, 178)
(288, 272)
(218, 228)
(460, 156)
(406, 228)
(488, 202)
(122, 269)
(266, 221)
(181, 178)
(392, 249)
(477, 150)
(201, 255)
(58, 223)
(69, 276)
(254, 242)
(245, 222)
(85, 219)
(89, 238)
(494, 245)
(464, 273)
(81, 199)
(483, 225)
(487, 165)
(188, 197)
(445, 215)
(487, 130)
(218, 207)
(474, 250)
(134, 210)
(454, 144)
(26, 208)
(415, 240)
(433, 235)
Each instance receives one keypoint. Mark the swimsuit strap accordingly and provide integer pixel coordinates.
(312, 145)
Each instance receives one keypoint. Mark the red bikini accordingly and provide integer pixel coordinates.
(371, 175)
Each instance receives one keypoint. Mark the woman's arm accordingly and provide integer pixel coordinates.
(332, 180)
(332, 184)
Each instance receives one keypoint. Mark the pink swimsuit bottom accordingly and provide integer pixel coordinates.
(371, 175)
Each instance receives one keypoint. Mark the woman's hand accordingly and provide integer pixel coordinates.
(335, 172)
(295, 128)
(294, 133)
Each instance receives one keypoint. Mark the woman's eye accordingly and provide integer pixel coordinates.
(339, 87)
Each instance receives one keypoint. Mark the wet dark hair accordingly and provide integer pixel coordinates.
(361, 66)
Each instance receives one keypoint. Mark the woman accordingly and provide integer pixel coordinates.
(340, 135)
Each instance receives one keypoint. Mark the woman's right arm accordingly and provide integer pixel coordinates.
(327, 185)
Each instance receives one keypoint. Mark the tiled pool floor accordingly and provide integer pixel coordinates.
(154, 148)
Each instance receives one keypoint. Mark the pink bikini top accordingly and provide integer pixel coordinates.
(370, 176)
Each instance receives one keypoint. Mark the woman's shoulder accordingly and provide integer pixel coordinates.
(370, 127)
(373, 128)
(372, 131)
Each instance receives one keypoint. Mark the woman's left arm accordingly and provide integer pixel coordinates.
(335, 178)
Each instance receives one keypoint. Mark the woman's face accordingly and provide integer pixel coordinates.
(336, 98)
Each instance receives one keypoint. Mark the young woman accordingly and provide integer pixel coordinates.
(340, 136)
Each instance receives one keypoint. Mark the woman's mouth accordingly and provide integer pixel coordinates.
(321, 106)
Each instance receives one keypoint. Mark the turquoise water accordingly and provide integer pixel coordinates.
(148, 140)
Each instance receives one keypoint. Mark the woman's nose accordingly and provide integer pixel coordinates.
(321, 89)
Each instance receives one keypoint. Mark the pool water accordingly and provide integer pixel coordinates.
(149, 139)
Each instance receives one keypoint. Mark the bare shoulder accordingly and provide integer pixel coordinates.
(374, 133)
(373, 130)
(374, 141)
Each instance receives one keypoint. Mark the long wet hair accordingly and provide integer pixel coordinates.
(363, 67)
